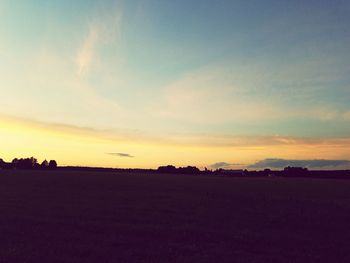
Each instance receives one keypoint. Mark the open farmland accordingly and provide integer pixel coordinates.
(62, 216)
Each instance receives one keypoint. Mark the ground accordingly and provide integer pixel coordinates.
(62, 216)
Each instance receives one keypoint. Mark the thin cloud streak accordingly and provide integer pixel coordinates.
(121, 155)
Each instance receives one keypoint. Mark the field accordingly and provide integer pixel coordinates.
(104, 217)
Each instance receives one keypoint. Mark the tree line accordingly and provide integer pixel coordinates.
(28, 163)
(32, 163)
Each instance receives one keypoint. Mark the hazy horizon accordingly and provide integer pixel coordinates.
(148, 83)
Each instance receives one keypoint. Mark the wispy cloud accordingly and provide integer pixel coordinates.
(87, 51)
(327, 114)
(256, 91)
(212, 96)
(181, 139)
(101, 31)
(346, 115)
(121, 155)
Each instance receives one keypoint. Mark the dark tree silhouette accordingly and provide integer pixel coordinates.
(52, 164)
(44, 165)
(26, 163)
(167, 169)
(295, 171)
(188, 170)
(181, 170)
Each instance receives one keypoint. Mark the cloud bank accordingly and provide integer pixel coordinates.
(311, 164)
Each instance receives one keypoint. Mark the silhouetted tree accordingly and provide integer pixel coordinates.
(189, 170)
(267, 172)
(26, 163)
(52, 164)
(181, 170)
(44, 165)
(218, 171)
(167, 169)
(15, 162)
(295, 171)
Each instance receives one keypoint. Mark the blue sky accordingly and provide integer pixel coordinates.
(180, 68)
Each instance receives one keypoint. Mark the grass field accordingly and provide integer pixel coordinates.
(105, 217)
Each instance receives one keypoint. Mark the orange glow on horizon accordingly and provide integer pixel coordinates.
(82, 147)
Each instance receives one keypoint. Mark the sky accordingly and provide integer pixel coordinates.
(143, 83)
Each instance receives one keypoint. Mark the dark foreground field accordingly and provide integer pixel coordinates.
(100, 217)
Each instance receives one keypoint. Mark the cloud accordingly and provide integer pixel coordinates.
(121, 155)
(327, 114)
(224, 165)
(311, 164)
(181, 149)
(212, 97)
(346, 115)
(87, 51)
(254, 91)
(181, 139)
(101, 31)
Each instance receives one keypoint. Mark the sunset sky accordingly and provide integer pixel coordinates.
(148, 83)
